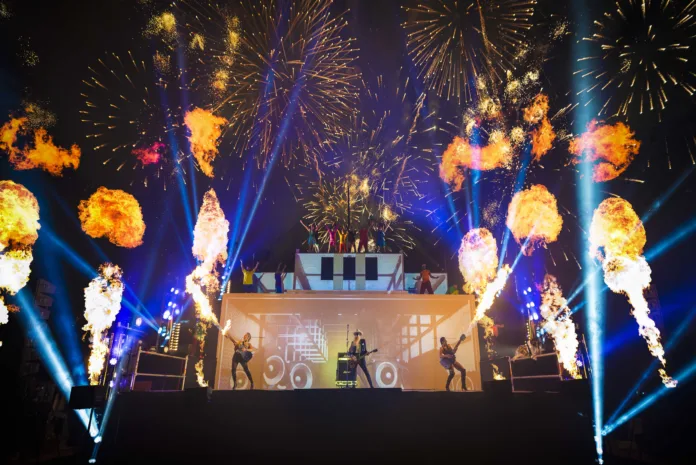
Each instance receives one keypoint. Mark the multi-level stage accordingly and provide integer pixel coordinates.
(296, 414)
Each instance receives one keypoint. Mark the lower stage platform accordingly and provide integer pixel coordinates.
(359, 426)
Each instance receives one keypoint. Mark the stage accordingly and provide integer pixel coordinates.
(347, 426)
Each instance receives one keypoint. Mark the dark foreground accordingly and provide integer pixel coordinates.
(340, 426)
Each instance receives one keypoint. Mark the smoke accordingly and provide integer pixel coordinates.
(102, 303)
(617, 230)
(205, 131)
(149, 155)
(114, 214)
(533, 216)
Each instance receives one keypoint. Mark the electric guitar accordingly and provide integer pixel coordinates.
(355, 359)
(448, 362)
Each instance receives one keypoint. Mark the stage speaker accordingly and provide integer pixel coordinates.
(498, 387)
(83, 397)
(370, 268)
(197, 396)
(349, 268)
(327, 268)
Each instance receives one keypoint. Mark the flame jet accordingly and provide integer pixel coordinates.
(617, 229)
(210, 248)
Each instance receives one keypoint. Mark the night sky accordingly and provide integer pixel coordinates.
(67, 37)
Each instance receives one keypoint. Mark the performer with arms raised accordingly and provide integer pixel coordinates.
(449, 361)
(242, 354)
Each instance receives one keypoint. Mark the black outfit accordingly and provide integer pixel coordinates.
(236, 360)
(450, 351)
(357, 351)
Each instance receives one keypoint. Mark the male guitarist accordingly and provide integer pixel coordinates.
(449, 361)
(242, 354)
(358, 352)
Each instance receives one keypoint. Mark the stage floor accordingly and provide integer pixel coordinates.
(347, 426)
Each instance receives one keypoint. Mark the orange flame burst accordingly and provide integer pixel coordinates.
(542, 139)
(478, 260)
(533, 217)
(537, 110)
(617, 229)
(205, 131)
(149, 155)
(43, 154)
(19, 216)
(610, 148)
(114, 214)
(461, 154)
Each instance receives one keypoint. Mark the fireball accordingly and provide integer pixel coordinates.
(460, 154)
(114, 214)
(478, 260)
(617, 229)
(610, 149)
(533, 217)
(19, 216)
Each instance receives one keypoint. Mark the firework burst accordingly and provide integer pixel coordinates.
(126, 115)
(453, 42)
(641, 57)
(282, 74)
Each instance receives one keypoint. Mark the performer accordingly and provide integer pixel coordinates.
(381, 239)
(350, 240)
(332, 231)
(279, 278)
(248, 280)
(424, 278)
(312, 238)
(243, 351)
(357, 348)
(363, 239)
(342, 241)
(449, 361)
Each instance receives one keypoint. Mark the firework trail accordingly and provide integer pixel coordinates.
(204, 134)
(453, 42)
(39, 151)
(558, 323)
(640, 57)
(271, 67)
(478, 263)
(19, 225)
(533, 218)
(114, 214)
(617, 230)
(102, 303)
(210, 248)
(610, 149)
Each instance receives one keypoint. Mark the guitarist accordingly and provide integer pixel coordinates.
(357, 351)
(242, 354)
(449, 361)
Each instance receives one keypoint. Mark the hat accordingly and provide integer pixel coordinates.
(357, 331)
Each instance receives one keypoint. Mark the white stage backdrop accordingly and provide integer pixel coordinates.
(299, 334)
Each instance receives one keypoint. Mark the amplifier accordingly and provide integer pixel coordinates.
(344, 375)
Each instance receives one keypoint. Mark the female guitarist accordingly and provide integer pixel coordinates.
(242, 354)
(449, 361)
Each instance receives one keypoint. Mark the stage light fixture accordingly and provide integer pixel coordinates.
(113, 361)
(138, 321)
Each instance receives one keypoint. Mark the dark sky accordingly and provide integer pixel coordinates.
(68, 36)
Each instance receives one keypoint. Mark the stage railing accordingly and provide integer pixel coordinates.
(137, 373)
